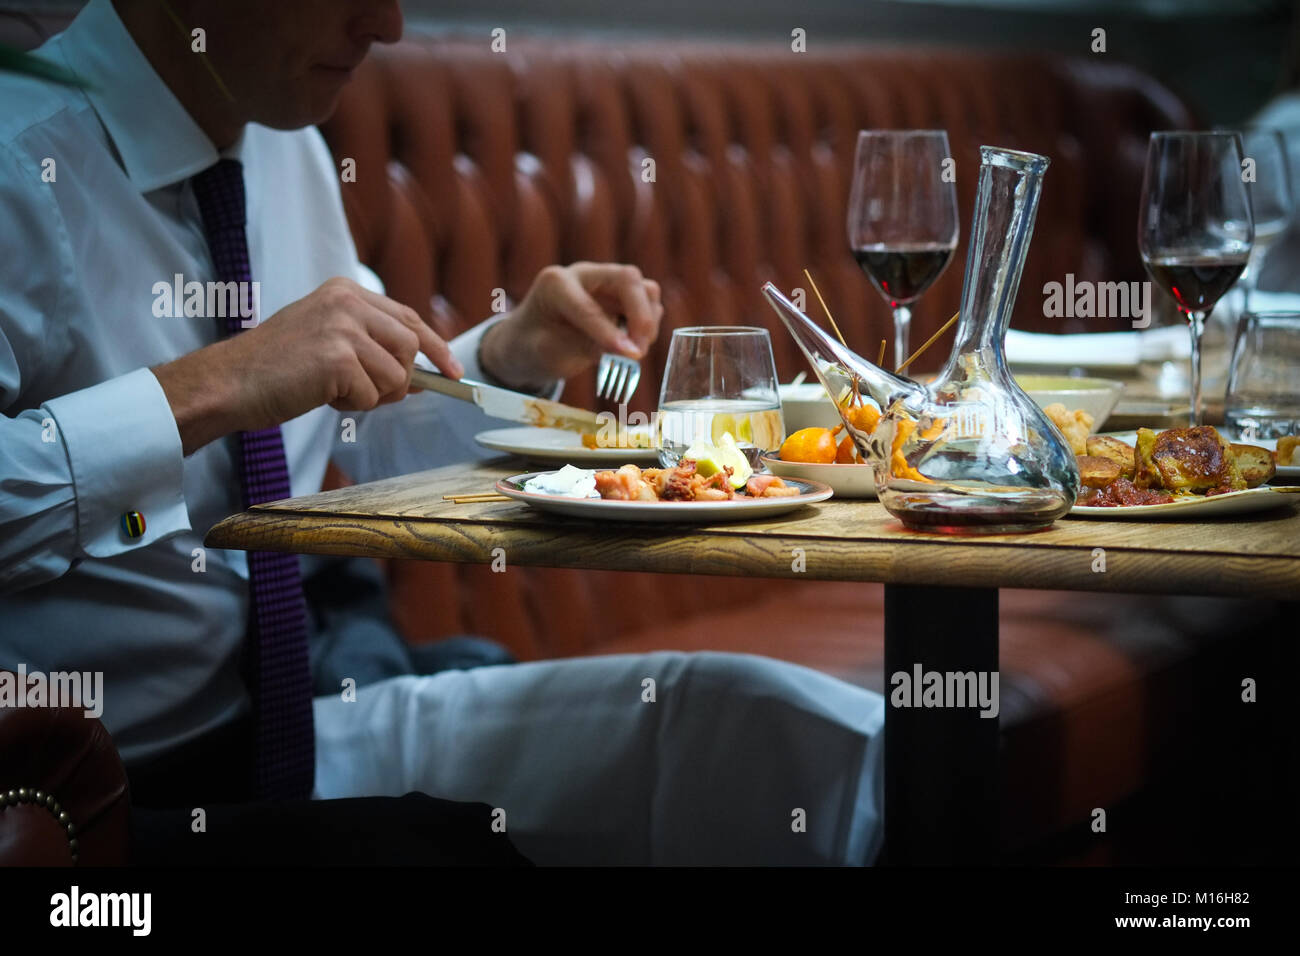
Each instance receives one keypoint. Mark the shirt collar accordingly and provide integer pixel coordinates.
(158, 141)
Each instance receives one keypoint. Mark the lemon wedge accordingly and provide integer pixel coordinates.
(723, 423)
(712, 458)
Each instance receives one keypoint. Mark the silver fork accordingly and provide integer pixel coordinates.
(617, 377)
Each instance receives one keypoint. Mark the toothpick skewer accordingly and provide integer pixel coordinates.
(818, 293)
(928, 342)
(476, 497)
(880, 359)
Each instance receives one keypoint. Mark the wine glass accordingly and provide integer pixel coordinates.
(1195, 227)
(1271, 199)
(720, 380)
(902, 219)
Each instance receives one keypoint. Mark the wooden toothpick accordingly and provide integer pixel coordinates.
(928, 342)
(818, 293)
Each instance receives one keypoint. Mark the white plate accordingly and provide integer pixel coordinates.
(847, 481)
(1283, 471)
(553, 445)
(739, 509)
(1195, 508)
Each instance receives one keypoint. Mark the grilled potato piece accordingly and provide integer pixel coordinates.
(1186, 460)
(1097, 472)
(1121, 453)
(1255, 464)
(1286, 450)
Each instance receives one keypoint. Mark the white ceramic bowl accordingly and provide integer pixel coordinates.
(807, 406)
(847, 481)
(1096, 396)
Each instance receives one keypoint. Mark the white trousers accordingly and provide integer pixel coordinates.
(665, 758)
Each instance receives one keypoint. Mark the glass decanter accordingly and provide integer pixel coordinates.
(971, 452)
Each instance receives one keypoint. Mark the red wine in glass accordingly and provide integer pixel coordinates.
(1196, 281)
(903, 272)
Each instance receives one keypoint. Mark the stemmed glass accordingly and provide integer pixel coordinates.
(902, 219)
(1271, 199)
(1195, 227)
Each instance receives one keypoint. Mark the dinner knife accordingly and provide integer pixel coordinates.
(512, 406)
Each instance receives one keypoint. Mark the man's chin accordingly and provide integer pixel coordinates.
(316, 106)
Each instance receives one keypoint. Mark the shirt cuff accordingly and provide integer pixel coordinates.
(125, 454)
(465, 347)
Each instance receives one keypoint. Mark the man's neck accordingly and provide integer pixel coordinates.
(167, 48)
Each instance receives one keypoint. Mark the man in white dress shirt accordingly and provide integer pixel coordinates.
(116, 455)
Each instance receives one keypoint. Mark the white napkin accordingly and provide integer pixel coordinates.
(1167, 343)
(1099, 349)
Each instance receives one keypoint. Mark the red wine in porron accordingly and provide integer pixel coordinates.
(902, 273)
(1196, 281)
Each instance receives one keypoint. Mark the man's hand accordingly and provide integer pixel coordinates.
(568, 318)
(342, 346)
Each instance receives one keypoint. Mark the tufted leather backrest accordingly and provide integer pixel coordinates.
(476, 169)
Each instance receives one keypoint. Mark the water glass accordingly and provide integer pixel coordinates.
(719, 380)
(1263, 399)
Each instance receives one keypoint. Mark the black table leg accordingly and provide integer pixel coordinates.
(941, 762)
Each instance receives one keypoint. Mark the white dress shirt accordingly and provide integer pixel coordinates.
(586, 769)
(87, 433)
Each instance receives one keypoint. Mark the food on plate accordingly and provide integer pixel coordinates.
(711, 458)
(1097, 472)
(863, 417)
(1121, 453)
(1175, 463)
(846, 453)
(1255, 463)
(1186, 459)
(1286, 450)
(815, 446)
(1122, 493)
(568, 482)
(621, 438)
(1075, 425)
(684, 483)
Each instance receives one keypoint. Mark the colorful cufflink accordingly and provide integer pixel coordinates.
(133, 524)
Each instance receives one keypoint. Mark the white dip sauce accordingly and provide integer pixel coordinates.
(568, 482)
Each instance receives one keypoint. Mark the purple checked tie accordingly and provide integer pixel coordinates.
(278, 668)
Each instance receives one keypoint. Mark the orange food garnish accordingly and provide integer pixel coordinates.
(863, 417)
(898, 465)
(847, 453)
(812, 445)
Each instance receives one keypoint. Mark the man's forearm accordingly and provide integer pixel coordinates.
(202, 392)
(503, 364)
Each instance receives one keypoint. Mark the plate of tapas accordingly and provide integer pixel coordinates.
(1176, 473)
(685, 492)
(556, 446)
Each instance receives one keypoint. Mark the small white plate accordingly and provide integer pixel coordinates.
(738, 509)
(1283, 471)
(847, 481)
(1195, 508)
(554, 445)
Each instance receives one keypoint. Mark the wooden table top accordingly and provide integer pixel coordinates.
(1250, 555)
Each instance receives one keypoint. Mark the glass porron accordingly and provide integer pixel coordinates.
(970, 453)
